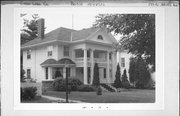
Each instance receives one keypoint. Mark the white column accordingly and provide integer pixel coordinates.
(114, 65)
(107, 70)
(85, 66)
(92, 65)
(49, 73)
(64, 72)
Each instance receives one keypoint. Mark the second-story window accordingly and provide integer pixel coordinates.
(66, 50)
(28, 54)
(123, 62)
(50, 51)
(110, 57)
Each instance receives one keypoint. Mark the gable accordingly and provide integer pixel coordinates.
(102, 36)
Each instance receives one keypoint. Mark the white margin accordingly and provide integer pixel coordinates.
(158, 105)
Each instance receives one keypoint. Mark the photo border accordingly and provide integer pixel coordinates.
(159, 90)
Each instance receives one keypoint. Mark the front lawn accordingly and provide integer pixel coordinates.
(37, 100)
(131, 96)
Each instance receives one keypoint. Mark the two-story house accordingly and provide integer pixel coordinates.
(43, 57)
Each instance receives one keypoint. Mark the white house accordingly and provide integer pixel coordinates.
(44, 56)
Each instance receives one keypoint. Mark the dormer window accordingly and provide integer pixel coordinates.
(50, 51)
(100, 37)
(28, 54)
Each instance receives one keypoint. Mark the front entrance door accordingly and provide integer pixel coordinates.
(57, 72)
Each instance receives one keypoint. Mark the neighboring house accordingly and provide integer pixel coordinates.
(44, 56)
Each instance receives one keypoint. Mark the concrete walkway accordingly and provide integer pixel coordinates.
(61, 100)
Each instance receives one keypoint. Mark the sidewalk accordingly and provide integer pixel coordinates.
(61, 100)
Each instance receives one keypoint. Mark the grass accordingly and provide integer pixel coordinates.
(38, 100)
(131, 96)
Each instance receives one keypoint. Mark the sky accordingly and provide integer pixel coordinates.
(68, 20)
(72, 21)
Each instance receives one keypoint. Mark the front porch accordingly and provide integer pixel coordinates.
(82, 66)
(85, 60)
(58, 69)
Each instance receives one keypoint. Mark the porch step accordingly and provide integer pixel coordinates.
(109, 87)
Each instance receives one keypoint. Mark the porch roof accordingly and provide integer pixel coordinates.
(61, 62)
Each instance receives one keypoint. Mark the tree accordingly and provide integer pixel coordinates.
(132, 67)
(125, 82)
(142, 74)
(138, 32)
(117, 81)
(22, 71)
(29, 31)
(96, 81)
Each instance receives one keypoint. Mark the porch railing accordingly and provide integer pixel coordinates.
(89, 59)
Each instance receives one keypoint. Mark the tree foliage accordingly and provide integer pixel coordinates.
(96, 81)
(124, 76)
(117, 81)
(143, 74)
(132, 67)
(125, 82)
(138, 32)
(139, 74)
(29, 31)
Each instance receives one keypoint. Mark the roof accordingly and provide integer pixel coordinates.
(63, 34)
(65, 61)
(49, 62)
(53, 62)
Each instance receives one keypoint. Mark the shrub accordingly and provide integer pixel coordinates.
(22, 75)
(126, 85)
(117, 81)
(96, 80)
(74, 83)
(99, 91)
(86, 88)
(125, 82)
(59, 84)
(28, 93)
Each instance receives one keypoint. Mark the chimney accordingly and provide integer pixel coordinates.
(40, 23)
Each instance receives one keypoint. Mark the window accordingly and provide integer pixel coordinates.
(46, 73)
(122, 62)
(100, 37)
(110, 57)
(28, 54)
(28, 73)
(104, 72)
(66, 50)
(49, 50)
(49, 53)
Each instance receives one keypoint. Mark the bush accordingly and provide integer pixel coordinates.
(86, 88)
(117, 82)
(99, 91)
(126, 85)
(125, 82)
(96, 81)
(59, 84)
(28, 93)
(74, 83)
(22, 75)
